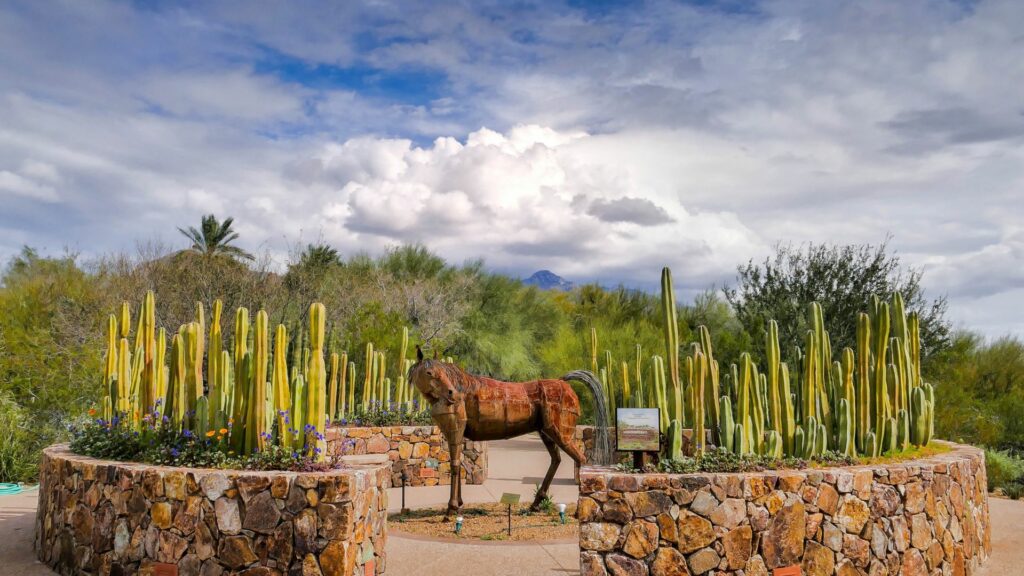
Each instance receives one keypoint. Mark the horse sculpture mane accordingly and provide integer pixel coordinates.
(467, 406)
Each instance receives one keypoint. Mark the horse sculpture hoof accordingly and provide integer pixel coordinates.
(452, 510)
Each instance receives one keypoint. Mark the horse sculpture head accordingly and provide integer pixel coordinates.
(432, 380)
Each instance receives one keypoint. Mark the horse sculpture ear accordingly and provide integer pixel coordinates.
(419, 354)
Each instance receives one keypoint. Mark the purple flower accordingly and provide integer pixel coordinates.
(174, 452)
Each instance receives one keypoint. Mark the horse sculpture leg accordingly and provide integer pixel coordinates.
(556, 459)
(455, 501)
(553, 440)
(451, 419)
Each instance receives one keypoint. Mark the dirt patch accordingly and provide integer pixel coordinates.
(489, 522)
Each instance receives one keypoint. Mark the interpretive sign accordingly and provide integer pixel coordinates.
(637, 429)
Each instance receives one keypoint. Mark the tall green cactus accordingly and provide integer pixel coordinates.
(864, 384)
(282, 392)
(368, 377)
(726, 425)
(880, 336)
(316, 399)
(675, 440)
(177, 388)
(332, 386)
(845, 431)
(671, 326)
(215, 375)
(773, 377)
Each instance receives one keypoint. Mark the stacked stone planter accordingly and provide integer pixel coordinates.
(918, 518)
(104, 517)
(420, 451)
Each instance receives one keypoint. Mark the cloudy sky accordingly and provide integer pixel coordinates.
(600, 140)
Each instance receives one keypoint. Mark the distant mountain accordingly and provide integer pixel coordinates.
(548, 280)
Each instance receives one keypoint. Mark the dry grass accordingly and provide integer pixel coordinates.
(489, 522)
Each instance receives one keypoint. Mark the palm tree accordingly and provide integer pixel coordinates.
(213, 238)
(319, 257)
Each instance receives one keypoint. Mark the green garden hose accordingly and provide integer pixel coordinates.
(10, 489)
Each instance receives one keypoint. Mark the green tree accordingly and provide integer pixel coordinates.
(214, 238)
(842, 279)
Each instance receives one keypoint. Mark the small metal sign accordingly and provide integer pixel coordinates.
(793, 570)
(509, 498)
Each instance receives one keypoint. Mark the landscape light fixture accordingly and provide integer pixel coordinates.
(405, 477)
(458, 524)
(561, 511)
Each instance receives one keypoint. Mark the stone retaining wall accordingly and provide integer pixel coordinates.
(421, 451)
(103, 517)
(924, 517)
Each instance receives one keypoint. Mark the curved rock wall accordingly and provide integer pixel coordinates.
(105, 517)
(919, 518)
(421, 451)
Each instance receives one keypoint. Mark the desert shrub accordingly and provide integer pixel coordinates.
(397, 414)
(1004, 470)
(16, 453)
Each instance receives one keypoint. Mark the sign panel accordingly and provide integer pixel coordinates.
(637, 429)
(510, 498)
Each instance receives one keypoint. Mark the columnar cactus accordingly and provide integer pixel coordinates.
(668, 305)
(368, 379)
(864, 410)
(316, 399)
(726, 425)
(282, 391)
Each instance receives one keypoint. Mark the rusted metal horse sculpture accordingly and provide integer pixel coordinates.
(478, 408)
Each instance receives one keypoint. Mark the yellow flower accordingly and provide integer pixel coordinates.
(223, 430)
(219, 438)
(210, 434)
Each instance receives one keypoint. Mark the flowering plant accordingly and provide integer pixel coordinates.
(160, 442)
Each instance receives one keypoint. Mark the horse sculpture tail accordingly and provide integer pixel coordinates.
(602, 441)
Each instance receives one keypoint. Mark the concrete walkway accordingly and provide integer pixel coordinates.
(515, 466)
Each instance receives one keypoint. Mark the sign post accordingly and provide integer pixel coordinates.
(509, 498)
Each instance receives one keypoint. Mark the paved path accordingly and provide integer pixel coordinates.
(515, 466)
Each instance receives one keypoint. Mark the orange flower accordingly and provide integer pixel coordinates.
(219, 438)
(92, 411)
(210, 434)
(223, 430)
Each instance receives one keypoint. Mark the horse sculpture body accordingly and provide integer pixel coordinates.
(466, 406)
